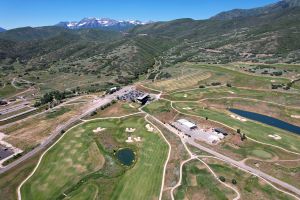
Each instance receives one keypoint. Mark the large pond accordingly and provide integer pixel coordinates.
(126, 156)
(267, 120)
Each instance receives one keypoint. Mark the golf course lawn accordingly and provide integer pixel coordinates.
(84, 161)
(198, 181)
(87, 192)
(236, 78)
(253, 129)
(291, 99)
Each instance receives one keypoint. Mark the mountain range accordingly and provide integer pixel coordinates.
(266, 10)
(103, 23)
(2, 29)
(269, 34)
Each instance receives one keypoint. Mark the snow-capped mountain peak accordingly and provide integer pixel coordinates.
(101, 23)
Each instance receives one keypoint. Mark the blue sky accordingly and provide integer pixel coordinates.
(19, 13)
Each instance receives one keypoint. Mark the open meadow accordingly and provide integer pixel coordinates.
(198, 182)
(248, 185)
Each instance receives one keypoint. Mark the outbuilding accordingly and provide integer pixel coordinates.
(143, 99)
(187, 124)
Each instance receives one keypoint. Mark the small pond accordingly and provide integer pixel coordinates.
(126, 156)
(267, 120)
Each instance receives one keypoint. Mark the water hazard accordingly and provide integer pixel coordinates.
(267, 120)
(126, 156)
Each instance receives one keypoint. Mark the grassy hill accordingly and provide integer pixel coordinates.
(268, 34)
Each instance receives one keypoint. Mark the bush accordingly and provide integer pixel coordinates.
(233, 181)
(37, 104)
(215, 83)
(277, 73)
(222, 178)
(243, 137)
(93, 113)
(238, 131)
(228, 85)
(202, 86)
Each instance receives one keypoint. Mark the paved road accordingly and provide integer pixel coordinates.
(94, 105)
(245, 167)
(229, 160)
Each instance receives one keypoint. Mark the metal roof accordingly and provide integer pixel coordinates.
(187, 123)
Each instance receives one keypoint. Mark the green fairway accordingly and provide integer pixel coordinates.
(262, 154)
(236, 78)
(292, 99)
(253, 129)
(157, 107)
(84, 161)
(87, 192)
(198, 181)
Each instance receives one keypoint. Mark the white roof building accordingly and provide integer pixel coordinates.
(187, 123)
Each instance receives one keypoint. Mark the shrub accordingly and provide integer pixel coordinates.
(228, 85)
(215, 83)
(233, 181)
(93, 113)
(243, 137)
(222, 178)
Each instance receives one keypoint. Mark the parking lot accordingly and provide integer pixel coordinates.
(15, 108)
(132, 95)
(5, 152)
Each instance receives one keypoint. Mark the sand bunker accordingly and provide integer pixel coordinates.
(238, 118)
(187, 108)
(185, 95)
(130, 130)
(136, 139)
(149, 128)
(131, 106)
(231, 92)
(276, 137)
(99, 129)
(129, 140)
(295, 116)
